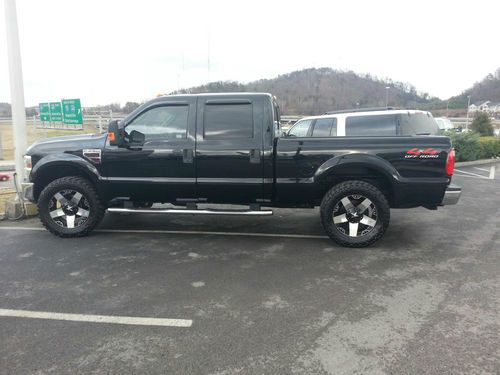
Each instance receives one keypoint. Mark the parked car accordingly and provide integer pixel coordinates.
(444, 124)
(366, 122)
(228, 149)
(4, 177)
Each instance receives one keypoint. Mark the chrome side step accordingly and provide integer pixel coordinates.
(181, 211)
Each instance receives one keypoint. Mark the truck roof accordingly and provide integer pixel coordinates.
(210, 94)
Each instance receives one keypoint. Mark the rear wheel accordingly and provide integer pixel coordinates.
(70, 207)
(355, 214)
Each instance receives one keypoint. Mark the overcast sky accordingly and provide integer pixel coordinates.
(118, 51)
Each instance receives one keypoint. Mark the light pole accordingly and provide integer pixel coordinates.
(467, 122)
(16, 87)
(386, 96)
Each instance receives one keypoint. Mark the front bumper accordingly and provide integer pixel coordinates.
(27, 188)
(451, 195)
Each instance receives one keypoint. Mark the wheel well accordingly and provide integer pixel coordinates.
(361, 173)
(51, 173)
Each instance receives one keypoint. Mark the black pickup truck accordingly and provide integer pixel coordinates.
(189, 150)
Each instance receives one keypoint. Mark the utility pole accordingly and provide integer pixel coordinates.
(16, 86)
(468, 106)
(387, 96)
(208, 53)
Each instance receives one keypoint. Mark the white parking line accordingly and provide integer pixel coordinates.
(147, 231)
(471, 174)
(475, 175)
(492, 172)
(128, 320)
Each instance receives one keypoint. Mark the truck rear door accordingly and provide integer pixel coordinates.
(229, 160)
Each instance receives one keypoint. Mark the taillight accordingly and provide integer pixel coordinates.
(450, 163)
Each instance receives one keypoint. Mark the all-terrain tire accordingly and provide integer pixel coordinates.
(332, 200)
(81, 185)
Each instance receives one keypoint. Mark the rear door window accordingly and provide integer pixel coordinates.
(325, 127)
(228, 121)
(377, 125)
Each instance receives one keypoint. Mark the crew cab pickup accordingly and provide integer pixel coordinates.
(190, 150)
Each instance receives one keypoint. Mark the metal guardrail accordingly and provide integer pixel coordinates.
(463, 120)
(99, 122)
(92, 123)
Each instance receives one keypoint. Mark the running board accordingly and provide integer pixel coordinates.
(181, 211)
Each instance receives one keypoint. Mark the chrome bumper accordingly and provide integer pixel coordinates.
(451, 195)
(27, 188)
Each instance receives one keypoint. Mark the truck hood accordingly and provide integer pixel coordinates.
(69, 143)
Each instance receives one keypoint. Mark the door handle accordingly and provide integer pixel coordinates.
(187, 155)
(255, 156)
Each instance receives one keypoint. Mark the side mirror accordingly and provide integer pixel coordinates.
(114, 134)
(136, 139)
(284, 134)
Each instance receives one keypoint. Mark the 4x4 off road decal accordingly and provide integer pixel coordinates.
(417, 153)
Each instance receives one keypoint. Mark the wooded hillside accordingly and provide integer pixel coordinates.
(315, 91)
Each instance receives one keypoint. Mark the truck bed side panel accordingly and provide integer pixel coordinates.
(413, 166)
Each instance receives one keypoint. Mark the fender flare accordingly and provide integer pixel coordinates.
(357, 159)
(63, 159)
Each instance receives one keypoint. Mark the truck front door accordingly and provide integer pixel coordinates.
(163, 169)
(229, 149)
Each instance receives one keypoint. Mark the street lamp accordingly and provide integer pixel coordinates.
(386, 96)
(16, 86)
(467, 122)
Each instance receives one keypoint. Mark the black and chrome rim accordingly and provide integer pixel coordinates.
(69, 208)
(355, 215)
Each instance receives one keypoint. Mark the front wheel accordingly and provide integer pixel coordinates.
(355, 214)
(70, 207)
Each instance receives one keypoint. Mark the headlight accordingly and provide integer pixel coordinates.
(27, 164)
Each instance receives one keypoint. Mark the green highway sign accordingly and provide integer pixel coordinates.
(72, 111)
(56, 112)
(44, 109)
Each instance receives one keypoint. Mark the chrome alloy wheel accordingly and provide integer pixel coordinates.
(355, 215)
(69, 209)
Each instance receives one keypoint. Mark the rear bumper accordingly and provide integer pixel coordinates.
(451, 195)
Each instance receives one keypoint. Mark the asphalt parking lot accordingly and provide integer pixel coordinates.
(259, 295)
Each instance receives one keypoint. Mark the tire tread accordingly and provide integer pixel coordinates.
(83, 184)
(352, 186)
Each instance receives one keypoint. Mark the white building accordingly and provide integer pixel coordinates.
(485, 106)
